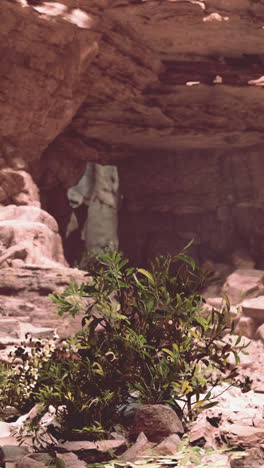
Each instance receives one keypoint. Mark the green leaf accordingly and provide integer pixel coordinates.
(147, 274)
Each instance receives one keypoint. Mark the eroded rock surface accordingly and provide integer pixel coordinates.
(32, 266)
(170, 91)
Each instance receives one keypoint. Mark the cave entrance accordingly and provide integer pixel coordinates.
(93, 222)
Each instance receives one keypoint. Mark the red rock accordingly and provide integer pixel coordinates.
(156, 422)
(137, 450)
(243, 436)
(168, 446)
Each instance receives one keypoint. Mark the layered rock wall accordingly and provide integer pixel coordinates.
(169, 91)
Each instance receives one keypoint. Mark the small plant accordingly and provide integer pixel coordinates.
(145, 338)
(29, 365)
(145, 334)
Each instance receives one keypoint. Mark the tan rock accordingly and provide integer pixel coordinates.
(244, 284)
(254, 308)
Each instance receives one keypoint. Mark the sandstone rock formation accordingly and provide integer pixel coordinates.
(32, 266)
(169, 91)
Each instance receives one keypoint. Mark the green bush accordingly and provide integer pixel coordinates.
(145, 339)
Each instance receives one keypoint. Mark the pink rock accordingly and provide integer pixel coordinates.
(254, 308)
(244, 284)
(243, 436)
(246, 326)
(137, 450)
(168, 446)
(260, 333)
(30, 234)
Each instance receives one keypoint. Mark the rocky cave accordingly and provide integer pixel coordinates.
(132, 123)
(168, 91)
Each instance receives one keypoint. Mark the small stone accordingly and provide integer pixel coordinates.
(192, 83)
(212, 18)
(254, 308)
(219, 460)
(168, 446)
(136, 451)
(5, 429)
(28, 462)
(101, 445)
(258, 82)
(217, 303)
(156, 421)
(246, 326)
(11, 453)
(218, 80)
(69, 460)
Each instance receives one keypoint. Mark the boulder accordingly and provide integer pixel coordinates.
(156, 422)
(29, 234)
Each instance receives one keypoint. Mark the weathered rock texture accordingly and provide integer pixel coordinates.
(32, 266)
(108, 84)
